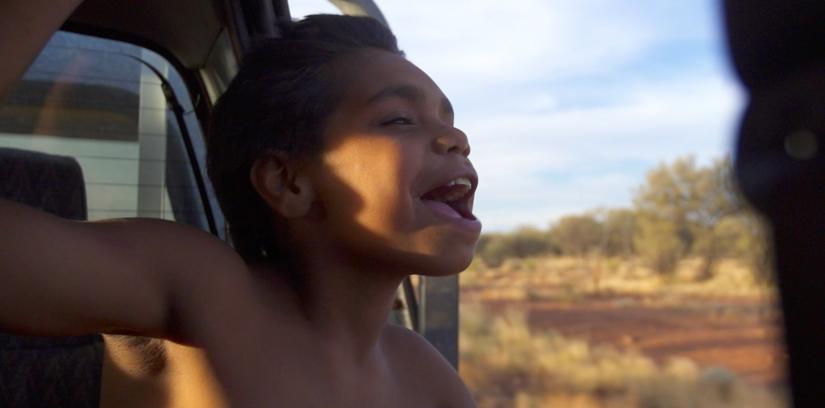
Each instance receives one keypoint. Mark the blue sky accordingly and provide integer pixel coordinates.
(569, 102)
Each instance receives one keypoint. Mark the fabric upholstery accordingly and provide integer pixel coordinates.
(51, 183)
(36, 371)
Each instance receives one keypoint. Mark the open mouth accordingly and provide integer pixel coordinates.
(452, 199)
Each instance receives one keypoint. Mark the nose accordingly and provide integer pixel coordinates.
(452, 140)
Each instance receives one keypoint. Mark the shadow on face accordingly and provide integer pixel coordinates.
(390, 141)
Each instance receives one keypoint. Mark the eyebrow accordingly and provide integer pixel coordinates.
(410, 93)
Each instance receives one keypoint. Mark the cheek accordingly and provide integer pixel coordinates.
(367, 191)
(367, 186)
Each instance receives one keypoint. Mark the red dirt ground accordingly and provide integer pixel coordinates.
(740, 334)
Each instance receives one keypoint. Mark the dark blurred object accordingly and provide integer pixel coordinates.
(47, 371)
(778, 49)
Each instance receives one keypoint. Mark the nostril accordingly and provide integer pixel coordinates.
(451, 147)
(459, 148)
(452, 140)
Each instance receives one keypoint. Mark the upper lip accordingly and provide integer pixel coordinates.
(468, 173)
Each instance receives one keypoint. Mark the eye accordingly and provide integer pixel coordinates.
(399, 120)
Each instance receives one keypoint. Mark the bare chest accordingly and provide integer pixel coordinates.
(299, 378)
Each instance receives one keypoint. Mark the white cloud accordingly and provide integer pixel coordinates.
(515, 41)
(537, 166)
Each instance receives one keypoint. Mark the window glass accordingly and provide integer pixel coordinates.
(94, 100)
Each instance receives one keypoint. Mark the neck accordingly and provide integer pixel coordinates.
(346, 302)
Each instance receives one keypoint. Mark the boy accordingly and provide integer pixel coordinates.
(340, 173)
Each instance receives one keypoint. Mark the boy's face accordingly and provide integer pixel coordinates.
(393, 178)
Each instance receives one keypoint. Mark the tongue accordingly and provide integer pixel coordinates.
(442, 209)
(444, 191)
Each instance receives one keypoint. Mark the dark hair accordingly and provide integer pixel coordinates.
(279, 101)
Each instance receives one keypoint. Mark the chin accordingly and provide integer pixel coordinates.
(434, 253)
(446, 264)
(432, 262)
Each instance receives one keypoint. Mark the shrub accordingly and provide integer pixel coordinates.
(506, 364)
(525, 242)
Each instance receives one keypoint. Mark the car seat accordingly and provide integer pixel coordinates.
(47, 371)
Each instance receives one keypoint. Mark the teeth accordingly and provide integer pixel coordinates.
(464, 181)
(451, 191)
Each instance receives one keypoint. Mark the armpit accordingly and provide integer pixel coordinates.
(141, 356)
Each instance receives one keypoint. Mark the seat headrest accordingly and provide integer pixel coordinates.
(45, 181)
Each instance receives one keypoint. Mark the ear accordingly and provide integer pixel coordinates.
(278, 182)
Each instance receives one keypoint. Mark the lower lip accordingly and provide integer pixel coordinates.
(446, 212)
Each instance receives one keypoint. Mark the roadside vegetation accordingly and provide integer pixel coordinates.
(688, 243)
(507, 364)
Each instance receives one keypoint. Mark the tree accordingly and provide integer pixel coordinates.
(717, 199)
(757, 248)
(529, 241)
(525, 242)
(493, 249)
(578, 235)
(679, 206)
(745, 236)
(619, 228)
(658, 243)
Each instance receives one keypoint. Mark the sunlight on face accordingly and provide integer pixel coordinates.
(391, 142)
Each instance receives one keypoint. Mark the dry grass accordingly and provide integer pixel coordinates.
(505, 364)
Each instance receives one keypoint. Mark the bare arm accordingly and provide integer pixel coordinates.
(25, 26)
(60, 277)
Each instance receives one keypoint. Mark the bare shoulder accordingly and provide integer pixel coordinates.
(419, 365)
(185, 265)
(204, 264)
